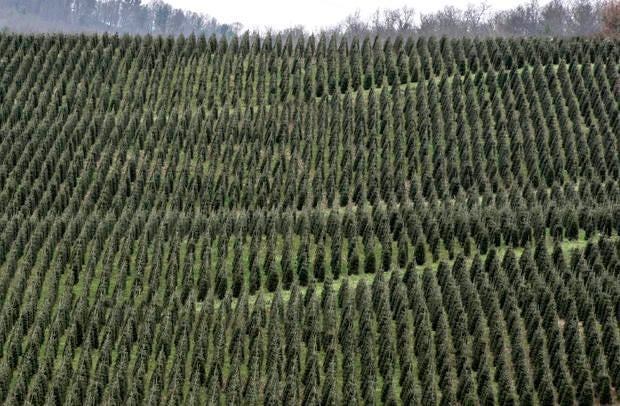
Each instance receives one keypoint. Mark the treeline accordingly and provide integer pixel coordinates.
(121, 16)
(557, 18)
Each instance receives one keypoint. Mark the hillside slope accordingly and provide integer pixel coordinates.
(258, 221)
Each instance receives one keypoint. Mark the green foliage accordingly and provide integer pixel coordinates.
(177, 216)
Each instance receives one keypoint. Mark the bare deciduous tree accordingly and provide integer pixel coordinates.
(559, 18)
(611, 16)
(562, 18)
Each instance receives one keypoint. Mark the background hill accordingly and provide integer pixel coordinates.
(122, 16)
(558, 18)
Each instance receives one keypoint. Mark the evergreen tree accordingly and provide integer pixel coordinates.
(336, 255)
(386, 253)
(370, 259)
(420, 252)
(221, 281)
(319, 261)
(347, 341)
(286, 263)
(366, 342)
(237, 270)
(353, 260)
(303, 261)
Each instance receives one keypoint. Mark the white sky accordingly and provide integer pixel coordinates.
(314, 14)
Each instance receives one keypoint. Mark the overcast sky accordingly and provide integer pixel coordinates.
(313, 14)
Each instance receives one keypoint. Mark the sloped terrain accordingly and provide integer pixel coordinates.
(262, 221)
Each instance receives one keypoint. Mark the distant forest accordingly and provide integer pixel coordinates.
(558, 18)
(122, 16)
